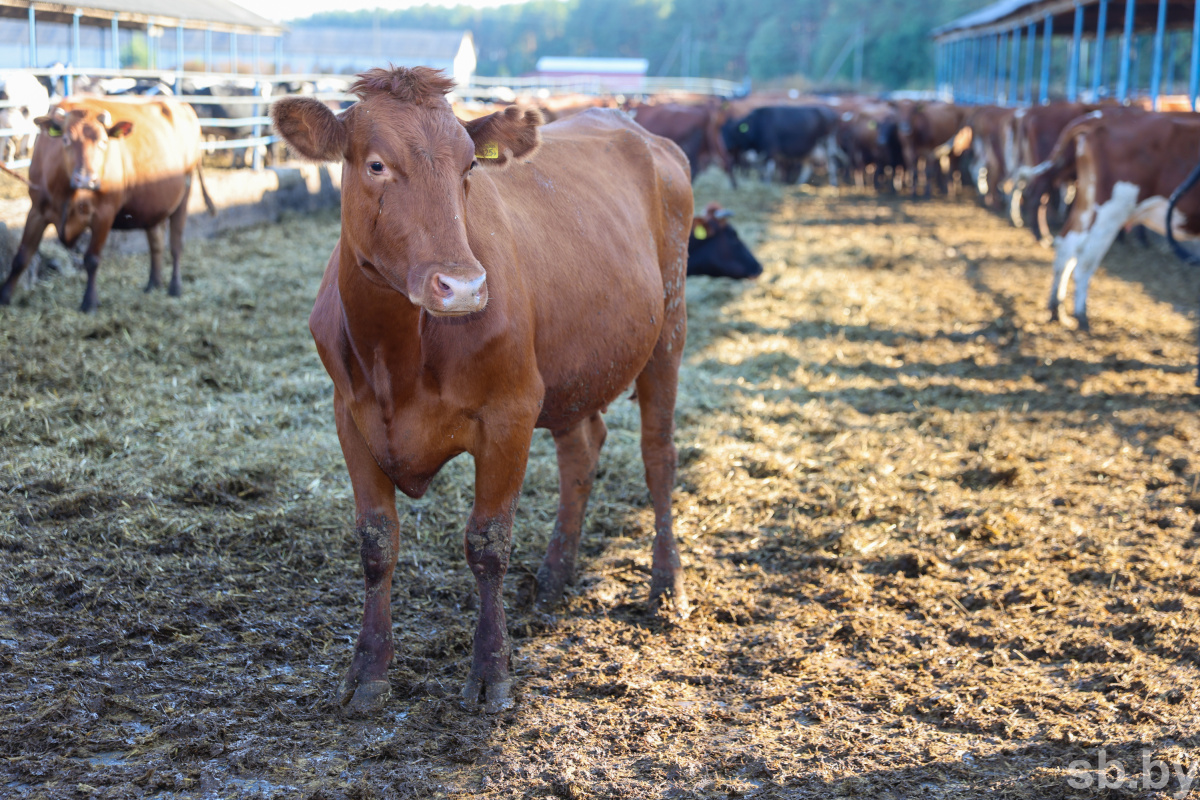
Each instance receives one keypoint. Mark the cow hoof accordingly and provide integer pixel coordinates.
(175, 289)
(88, 308)
(363, 699)
(151, 286)
(668, 597)
(496, 696)
(550, 588)
(1084, 325)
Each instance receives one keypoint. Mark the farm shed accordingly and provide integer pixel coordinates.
(346, 50)
(1025, 51)
(610, 74)
(99, 34)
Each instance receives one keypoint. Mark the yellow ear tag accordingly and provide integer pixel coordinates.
(54, 132)
(745, 126)
(700, 232)
(489, 150)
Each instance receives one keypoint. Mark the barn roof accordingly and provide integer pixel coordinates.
(1005, 15)
(221, 15)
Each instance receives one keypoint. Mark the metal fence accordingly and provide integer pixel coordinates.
(265, 88)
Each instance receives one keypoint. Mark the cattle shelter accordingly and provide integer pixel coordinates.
(1028, 51)
(206, 35)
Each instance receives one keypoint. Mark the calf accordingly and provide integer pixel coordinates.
(100, 164)
(484, 286)
(714, 248)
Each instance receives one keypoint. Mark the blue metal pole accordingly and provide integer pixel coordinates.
(1030, 55)
(1156, 67)
(33, 59)
(1014, 81)
(1126, 49)
(1194, 75)
(1002, 69)
(1098, 63)
(1073, 66)
(1047, 36)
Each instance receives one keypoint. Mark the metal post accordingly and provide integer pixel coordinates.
(233, 50)
(1098, 63)
(33, 59)
(1156, 67)
(1194, 75)
(1001, 68)
(1047, 37)
(1014, 81)
(1126, 49)
(116, 43)
(1030, 55)
(1073, 65)
(208, 62)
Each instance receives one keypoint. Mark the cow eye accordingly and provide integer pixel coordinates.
(474, 164)
(376, 167)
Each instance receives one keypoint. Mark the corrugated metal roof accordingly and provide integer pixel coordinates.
(1006, 14)
(192, 13)
(985, 16)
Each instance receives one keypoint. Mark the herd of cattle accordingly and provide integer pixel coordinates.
(432, 354)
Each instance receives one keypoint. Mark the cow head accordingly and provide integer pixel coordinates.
(407, 171)
(714, 248)
(86, 135)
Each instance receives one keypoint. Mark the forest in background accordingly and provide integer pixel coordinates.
(761, 39)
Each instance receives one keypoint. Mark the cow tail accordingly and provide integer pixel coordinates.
(1186, 256)
(212, 208)
(1036, 182)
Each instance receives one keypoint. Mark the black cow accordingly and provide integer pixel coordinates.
(786, 135)
(714, 248)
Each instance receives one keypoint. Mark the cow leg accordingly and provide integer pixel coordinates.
(656, 388)
(499, 472)
(35, 228)
(365, 686)
(154, 236)
(1110, 218)
(91, 263)
(578, 450)
(178, 222)
(1066, 256)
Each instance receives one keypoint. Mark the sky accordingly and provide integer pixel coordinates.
(283, 10)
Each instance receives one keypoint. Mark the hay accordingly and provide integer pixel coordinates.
(937, 545)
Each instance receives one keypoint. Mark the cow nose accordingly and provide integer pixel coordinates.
(453, 295)
(82, 180)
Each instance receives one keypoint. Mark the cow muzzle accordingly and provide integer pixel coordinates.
(84, 180)
(453, 292)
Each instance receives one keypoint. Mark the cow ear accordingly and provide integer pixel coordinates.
(48, 126)
(505, 136)
(122, 128)
(310, 128)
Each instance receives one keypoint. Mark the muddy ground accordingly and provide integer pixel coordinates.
(938, 546)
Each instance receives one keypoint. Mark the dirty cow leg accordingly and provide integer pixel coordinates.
(656, 389)
(499, 472)
(155, 239)
(578, 452)
(365, 687)
(91, 263)
(35, 227)
(178, 222)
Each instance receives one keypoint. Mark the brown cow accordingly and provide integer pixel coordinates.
(695, 128)
(1034, 131)
(100, 164)
(1127, 165)
(463, 307)
(923, 127)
